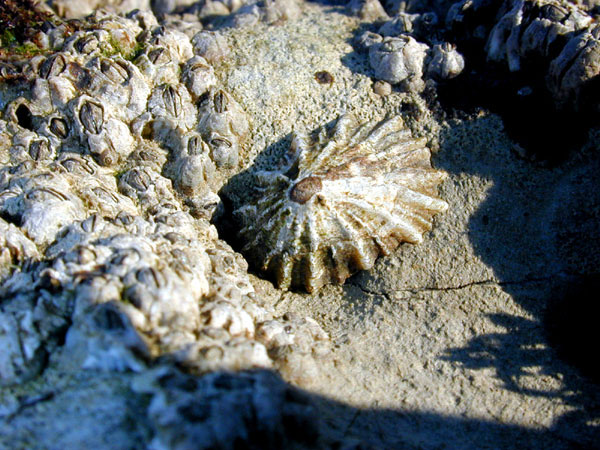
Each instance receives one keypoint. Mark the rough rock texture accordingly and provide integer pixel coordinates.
(446, 343)
(450, 334)
(72, 9)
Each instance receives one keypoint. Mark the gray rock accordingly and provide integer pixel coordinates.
(225, 409)
(370, 10)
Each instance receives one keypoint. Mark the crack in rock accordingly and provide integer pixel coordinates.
(28, 402)
(488, 282)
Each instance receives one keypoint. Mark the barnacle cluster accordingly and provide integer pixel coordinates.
(551, 43)
(407, 51)
(338, 200)
(115, 137)
(557, 39)
(122, 89)
(112, 148)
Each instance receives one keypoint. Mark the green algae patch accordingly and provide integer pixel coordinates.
(21, 21)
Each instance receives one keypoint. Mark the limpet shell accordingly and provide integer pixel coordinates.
(339, 200)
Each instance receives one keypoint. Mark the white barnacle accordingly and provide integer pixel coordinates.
(97, 249)
(399, 60)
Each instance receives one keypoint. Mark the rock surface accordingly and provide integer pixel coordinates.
(445, 343)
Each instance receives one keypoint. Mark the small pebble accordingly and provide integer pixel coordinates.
(324, 77)
(382, 88)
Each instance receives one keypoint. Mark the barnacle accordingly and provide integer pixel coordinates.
(370, 10)
(553, 39)
(338, 201)
(446, 62)
(223, 125)
(249, 13)
(572, 74)
(89, 138)
(399, 59)
(533, 27)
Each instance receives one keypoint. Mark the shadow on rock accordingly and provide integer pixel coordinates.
(242, 189)
(538, 230)
(255, 409)
(571, 323)
(541, 131)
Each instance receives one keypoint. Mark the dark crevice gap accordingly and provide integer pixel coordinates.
(527, 109)
(14, 219)
(571, 324)
(24, 117)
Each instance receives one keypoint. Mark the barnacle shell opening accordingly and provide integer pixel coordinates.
(339, 200)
